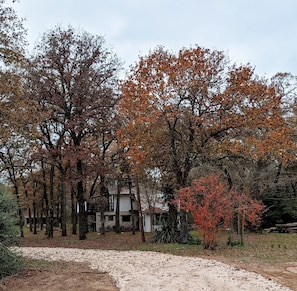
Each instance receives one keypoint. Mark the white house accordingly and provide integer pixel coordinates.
(128, 207)
(154, 216)
(153, 210)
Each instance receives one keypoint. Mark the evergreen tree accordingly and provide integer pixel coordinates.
(8, 213)
(9, 261)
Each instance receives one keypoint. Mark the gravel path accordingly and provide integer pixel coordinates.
(147, 271)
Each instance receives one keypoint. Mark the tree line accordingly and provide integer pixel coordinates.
(70, 124)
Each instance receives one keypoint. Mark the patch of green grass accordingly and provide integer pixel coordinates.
(35, 264)
(266, 248)
(259, 248)
(145, 248)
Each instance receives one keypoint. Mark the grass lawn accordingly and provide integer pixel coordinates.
(272, 248)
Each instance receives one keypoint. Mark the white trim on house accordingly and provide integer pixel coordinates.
(154, 217)
(152, 209)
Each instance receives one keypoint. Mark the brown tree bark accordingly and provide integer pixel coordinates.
(117, 212)
(139, 210)
(63, 208)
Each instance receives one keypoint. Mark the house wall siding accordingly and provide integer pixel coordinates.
(125, 210)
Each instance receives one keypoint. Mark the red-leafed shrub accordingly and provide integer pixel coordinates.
(212, 207)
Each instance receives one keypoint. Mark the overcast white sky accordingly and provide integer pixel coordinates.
(262, 32)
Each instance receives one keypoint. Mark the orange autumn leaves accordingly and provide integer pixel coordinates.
(213, 207)
(177, 109)
(195, 108)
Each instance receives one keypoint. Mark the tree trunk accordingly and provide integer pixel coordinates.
(82, 215)
(139, 210)
(152, 216)
(102, 219)
(73, 212)
(181, 171)
(242, 229)
(34, 217)
(41, 220)
(45, 198)
(132, 215)
(20, 212)
(183, 239)
(82, 221)
(117, 212)
(238, 224)
(172, 216)
(63, 209)
(30, 220)
(50, 226)
(131, 205)
(104, 194)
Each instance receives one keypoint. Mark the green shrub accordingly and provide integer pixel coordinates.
(10, 262)
(194, 241)
(166, 234)
(233, 243)
(9, 232)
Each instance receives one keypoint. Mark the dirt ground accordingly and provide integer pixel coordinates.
(69, 276)
(285, 273)
(59, 277)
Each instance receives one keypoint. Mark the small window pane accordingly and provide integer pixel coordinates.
(126, 218)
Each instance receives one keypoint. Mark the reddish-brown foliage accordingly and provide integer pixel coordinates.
(213, 207)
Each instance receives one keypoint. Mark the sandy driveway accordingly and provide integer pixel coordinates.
(147, 271)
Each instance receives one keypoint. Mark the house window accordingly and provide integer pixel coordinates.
(110, 203)
(110, 217)
(126, 218)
